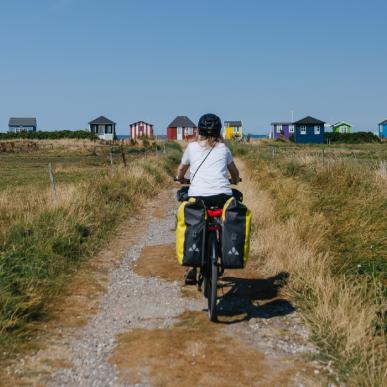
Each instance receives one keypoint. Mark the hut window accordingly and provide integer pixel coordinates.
(291, 128)
(302, 129)
(190, 131)
(316, 129)
(279, 128)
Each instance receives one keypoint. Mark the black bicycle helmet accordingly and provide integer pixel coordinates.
(210, 125)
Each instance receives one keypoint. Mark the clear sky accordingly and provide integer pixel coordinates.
(69, 61)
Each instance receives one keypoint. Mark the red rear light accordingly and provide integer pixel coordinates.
(215, 213)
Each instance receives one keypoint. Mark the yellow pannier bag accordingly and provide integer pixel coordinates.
(236, 225)
(190, 233)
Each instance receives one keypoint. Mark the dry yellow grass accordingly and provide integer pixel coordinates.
(381, 172)
(21, 204)
(340, 311)
(44, 236)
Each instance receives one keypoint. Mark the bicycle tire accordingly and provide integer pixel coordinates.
(212, 281)
(205, 286)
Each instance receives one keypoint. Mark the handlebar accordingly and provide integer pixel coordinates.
(182, 181)
(188, 181)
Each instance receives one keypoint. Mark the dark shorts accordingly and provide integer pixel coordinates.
(214, 200)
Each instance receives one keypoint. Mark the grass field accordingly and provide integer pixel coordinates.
(72, 161)
(320, 215)
(46, 235)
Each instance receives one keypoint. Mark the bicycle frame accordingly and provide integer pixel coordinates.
(211, 261)
(212, 232)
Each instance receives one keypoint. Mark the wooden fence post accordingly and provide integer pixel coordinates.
(123, 156)
(52, 179)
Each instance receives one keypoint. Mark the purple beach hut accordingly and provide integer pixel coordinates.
(282, 130)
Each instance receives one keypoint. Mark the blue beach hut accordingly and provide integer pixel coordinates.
(309, 130)
(383, 129)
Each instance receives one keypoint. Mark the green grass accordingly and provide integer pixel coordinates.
(85, 160)
(343, 187)
(19, 170)
(45, 237)
(345, 190)
(334, 200)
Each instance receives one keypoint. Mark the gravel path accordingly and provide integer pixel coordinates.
(271, 327)
(130, 302)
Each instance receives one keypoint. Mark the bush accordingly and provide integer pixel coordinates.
(351, 138)
(55, 135)
(172, 145)
(237, 149)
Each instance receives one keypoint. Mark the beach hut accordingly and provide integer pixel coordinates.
(233, 130)
(309, 130)
(383, 129)
(104, 128)
(140, 129)
(181, 128)
(341, 127)
(282, 130)
(22, 124)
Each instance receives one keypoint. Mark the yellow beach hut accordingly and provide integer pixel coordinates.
(233, 130)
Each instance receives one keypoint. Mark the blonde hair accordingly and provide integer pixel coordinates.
(209, 141)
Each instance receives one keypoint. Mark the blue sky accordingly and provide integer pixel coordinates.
(68, 61)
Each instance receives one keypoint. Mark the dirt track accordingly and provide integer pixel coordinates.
(137, 324)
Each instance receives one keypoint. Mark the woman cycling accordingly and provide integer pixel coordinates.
(209, 160)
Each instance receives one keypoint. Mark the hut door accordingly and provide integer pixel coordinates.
(179, 133)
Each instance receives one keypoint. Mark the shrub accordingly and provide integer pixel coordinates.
(351, 138)
(55, 135)
(172, 145)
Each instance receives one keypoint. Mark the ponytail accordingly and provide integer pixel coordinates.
(209, 141)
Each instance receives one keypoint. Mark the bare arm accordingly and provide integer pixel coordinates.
(233, 172)
(181, 171)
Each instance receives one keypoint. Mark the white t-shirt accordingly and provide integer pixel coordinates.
(212, 177)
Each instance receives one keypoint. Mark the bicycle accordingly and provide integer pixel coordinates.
(211, 267)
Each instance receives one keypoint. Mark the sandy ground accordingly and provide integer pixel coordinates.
(129, 320)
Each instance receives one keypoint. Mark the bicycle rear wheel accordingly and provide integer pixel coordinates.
(212, 280)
